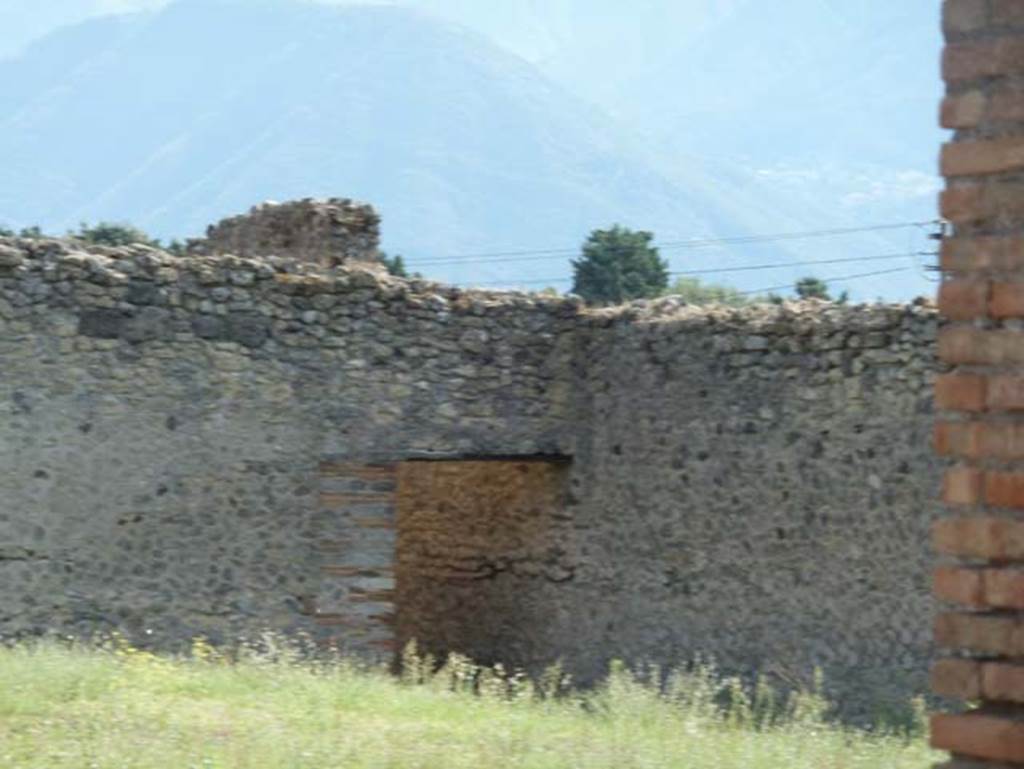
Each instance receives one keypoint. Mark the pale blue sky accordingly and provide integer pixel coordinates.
(823, 112)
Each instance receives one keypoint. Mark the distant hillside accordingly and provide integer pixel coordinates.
(174, 119)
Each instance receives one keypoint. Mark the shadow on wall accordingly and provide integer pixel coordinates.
(481, 543)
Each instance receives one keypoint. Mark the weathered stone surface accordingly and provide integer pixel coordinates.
(754, 484)
(326, 232)
(480, 554)
(102, 323)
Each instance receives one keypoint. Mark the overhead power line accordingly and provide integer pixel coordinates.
(777, 265)
(713, 270)
(840, 279)
(694, 243)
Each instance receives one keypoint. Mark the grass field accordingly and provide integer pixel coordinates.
(118, 708)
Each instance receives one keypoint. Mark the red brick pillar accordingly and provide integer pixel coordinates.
(980, 580)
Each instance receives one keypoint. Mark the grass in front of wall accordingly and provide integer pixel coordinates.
(120, 708)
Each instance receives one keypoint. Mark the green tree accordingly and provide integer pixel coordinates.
(618, 265)
(395, 265)
(812, 288)
(32, 233)
(113, 234)
(815, 288)
(6, 233)
(694, 291)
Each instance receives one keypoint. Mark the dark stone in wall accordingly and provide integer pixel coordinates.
(148, 324)
(103, 324)
(208, 327)
(142, 292)
(248, 329)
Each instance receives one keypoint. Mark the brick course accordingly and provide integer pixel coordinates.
(985, 58)
(964, 110)
(1005, 393)
(982, 254)
(1007, 300)
(962, 486)
(961, 392)
(960, 586)
(1007, 12)
(979, 735)
(985, 537)
(964, 298)
(957, 679)
(961, 16)
(983, 157)
(981, 399)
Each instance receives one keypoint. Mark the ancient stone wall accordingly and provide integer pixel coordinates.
(220, 445)
(326, 232)
(745, 470)
(173, 430)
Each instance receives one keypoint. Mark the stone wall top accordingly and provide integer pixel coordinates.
(123, 279)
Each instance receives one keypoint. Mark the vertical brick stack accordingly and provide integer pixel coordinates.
(354, 606)
(980, 426)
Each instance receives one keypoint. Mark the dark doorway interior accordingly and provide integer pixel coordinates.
(482, 556)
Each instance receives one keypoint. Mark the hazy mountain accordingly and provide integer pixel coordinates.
(850, 79)
(739, 77)
(22, 21)
(803, 114)
(174, 119)
(821, 106)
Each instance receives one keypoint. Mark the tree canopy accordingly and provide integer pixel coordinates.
(113, 234)
(816, 288)
(395, 265)
(695, 291)
(617, 265)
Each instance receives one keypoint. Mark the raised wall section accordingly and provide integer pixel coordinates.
(190, 446)
(326, 232)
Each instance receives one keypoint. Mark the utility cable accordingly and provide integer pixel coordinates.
(708, 271)
(827, 281)
(531, 255)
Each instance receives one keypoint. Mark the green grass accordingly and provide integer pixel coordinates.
(122, 709)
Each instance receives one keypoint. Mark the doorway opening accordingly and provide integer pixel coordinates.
(482, 553)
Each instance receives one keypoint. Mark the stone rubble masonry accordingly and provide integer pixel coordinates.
(217, 445)
(980, 427)
(327, 232)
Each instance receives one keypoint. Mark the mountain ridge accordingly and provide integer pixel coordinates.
(174, 119)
